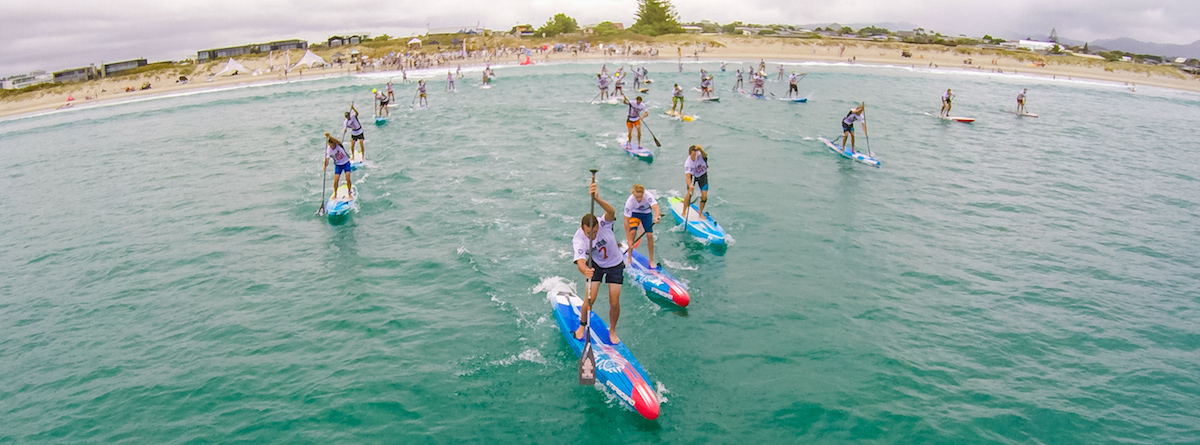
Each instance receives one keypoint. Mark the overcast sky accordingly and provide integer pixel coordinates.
(52, 36)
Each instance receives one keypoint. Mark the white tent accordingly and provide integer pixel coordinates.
(415, 41)
(310, 60)
(233, 67)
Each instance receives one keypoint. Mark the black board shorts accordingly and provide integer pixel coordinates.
(611, 275)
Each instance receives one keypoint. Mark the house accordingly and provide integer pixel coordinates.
(1035, 45)
(77, 74)
(223, 53)
(112, 69)
(474, 30)
(692, 29)
(1181, 60)
(26, 80)
(350, 39)
(904, 34)
(748, 31)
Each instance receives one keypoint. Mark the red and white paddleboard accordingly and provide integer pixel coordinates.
(955, 118)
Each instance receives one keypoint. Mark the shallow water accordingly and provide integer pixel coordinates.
(1014, 280)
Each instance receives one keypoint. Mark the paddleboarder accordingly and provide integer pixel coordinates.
(422, 100)
(390, 94)
(792, 87)
(738, 86)
(602, 83)
(619, 83)
(637, 110)
(677, 99)
(382, 101)
(356, 131)
(341, 161)
(641, 209)
(606, 263)
(947, 97)
(449, 81)
(1021, 101)
(695, 170)
(759, 78)
(706, 87)
(855, 115)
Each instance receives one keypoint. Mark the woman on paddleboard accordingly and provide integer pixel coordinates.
(341, 161)
(641, 209)
(855, 115)
(449, 81)
(391, 94)
(695, 172)
(356, 131)
(606, 263)
(422, 101)
(637, 111)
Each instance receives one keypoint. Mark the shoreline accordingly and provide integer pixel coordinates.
(777, 52)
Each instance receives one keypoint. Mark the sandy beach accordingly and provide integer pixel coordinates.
(692, 47)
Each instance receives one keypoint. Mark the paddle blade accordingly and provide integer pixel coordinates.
(587, 362)
(656, 143)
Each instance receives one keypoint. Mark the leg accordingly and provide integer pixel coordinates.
(629, 136)
(335, 183)
(687, 200)
(592, 287)
(852, 142)
(845, 137)
(639, 128)
(703, 201)
(614, 311)
(650, 247)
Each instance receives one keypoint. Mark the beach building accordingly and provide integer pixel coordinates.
(26, 80)
(347, 39)
(473, 30)
(1034, 45)
(77, 74)
(692, 29)
(112, 69)
(222, 53)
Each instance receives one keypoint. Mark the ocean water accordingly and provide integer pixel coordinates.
(1015, 280)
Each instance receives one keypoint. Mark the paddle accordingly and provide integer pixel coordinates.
(414, 101)
(587, 360)
(868, 135)
(656, 143)
(324, 171)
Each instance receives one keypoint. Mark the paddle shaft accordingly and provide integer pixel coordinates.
(865, 133)
(586, 358)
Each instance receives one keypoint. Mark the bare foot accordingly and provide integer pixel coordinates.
(579, 333)
(612, 338)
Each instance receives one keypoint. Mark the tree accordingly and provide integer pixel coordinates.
(655, 18)
(1085, 48)
(731, 28)
(1053, 35)
(606, 29)
(845, 30)
(559, 24)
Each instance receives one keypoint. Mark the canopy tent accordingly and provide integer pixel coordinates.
(310, 60)
(232, 67)
(415, 41)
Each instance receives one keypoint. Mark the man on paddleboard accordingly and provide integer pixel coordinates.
(602, 83)
(947, 97)
(855, 115)
(391, 95)
(637, 110)
(706, 87)
(422, 101)
(449, 81)
(606, 264)
(1021, 101)
(641, 209)
(737, 86)
(677, 99)
(356, 131)
(382, 101)
(792, 88)
(341, 161)
(695, 172)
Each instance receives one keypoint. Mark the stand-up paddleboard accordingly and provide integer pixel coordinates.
(639, 152)
(656, 281)
(710, 99)
(1021, 114)
(799, 100)
(380, 120)
(682, 117)
(356, 160)
(616, 368)
(342, 200)
(756, 96)
(965, 120)
(485, 87)
(703, 228)
(648, 81)
(609, 101)
(860, 157)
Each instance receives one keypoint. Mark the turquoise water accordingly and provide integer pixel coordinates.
(1010, 281)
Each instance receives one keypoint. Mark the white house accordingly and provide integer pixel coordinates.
(1035, 45)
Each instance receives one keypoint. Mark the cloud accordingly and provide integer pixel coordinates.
(47, 35)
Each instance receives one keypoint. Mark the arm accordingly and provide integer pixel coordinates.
(581, 264)
(657, 213)
(610, 214)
